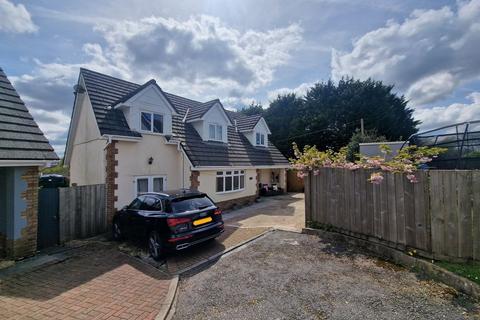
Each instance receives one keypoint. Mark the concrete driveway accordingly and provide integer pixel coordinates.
(282, 212)
(286, 275)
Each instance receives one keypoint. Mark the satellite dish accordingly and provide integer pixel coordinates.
(78, 89)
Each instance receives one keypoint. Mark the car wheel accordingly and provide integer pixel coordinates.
(155, 246)
(117, 231)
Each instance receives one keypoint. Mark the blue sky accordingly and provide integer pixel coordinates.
(243, 51)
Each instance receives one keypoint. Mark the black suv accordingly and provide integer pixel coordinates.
(172, 220)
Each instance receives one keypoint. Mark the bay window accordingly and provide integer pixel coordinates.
(232, 180)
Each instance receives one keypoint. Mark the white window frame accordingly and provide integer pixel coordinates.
(152, 114)
(234, 173)
(215, 138)
(261, 135)
(150, 183)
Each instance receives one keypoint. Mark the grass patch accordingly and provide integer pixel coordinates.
(470, 270)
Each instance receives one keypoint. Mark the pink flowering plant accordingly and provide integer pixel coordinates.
(406, 161)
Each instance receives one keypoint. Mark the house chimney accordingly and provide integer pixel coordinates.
(235, 124)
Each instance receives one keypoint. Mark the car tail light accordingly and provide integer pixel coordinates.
(172, 222)
(179, 225)
(217, 211)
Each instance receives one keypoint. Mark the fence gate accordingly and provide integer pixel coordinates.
(48, 219)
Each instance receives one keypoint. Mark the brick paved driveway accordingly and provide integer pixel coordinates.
(95, 282)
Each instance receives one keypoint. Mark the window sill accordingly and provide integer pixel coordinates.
(232, 191)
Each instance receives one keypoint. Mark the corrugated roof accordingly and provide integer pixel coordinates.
(20, 137)
(104, 90)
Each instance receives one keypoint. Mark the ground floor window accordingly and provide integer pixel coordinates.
(150, 184)
(228, 181)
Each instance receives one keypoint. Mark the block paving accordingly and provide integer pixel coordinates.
(97, 282)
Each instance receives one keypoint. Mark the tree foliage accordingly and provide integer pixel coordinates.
(330, 114)
(252, 109)
(353, 147)
(407, 161)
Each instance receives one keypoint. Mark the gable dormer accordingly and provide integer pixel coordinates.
(211, 121)
(147, 110)
(255, 129)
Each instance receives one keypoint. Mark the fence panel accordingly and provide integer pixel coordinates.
(439, 215)
(82, 212)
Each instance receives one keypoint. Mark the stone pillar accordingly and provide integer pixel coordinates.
(194, 181)
(110, 175)
(258, 182)
(283, 179)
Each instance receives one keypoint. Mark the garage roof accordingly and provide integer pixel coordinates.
(20, 136)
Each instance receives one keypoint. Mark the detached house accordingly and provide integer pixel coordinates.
(138, 138)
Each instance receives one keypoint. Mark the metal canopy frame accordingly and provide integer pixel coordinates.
(462, 141)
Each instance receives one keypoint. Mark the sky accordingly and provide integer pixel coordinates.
(244, 50)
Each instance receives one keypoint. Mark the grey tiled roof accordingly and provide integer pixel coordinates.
(104, 90)
(244, 123)
(20, 137)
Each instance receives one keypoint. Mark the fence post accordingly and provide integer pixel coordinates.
(308, 199)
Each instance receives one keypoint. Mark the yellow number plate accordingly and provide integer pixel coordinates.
(202, 221)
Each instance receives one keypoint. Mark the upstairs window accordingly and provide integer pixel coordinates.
(152, 122)
(260, 139)
(215, 132)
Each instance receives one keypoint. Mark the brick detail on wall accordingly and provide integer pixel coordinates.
(229, 204)
(110, 175)
(194, 182)
(26, 245)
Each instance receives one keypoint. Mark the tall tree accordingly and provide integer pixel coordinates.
(283, 119)
(252, 109)
(330, 113)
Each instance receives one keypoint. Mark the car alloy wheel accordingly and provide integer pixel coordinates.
(117, 231)
(155, 245)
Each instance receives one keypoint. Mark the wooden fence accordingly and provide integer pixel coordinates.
(439, 216)
(82, 212)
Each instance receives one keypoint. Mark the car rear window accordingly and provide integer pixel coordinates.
(190, 204)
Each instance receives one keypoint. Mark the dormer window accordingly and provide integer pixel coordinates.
(260, 139)
(215, 132)
(152, 122)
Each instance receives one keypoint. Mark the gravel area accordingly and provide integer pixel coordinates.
(286, 275)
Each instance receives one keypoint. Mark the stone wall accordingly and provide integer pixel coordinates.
(229, 204)
(194, 181)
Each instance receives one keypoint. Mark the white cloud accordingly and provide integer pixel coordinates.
(15, 18)
(427, 56)
(300, 90)
(54, 125)
(199, 58)
(199, 54)
(442, 116)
